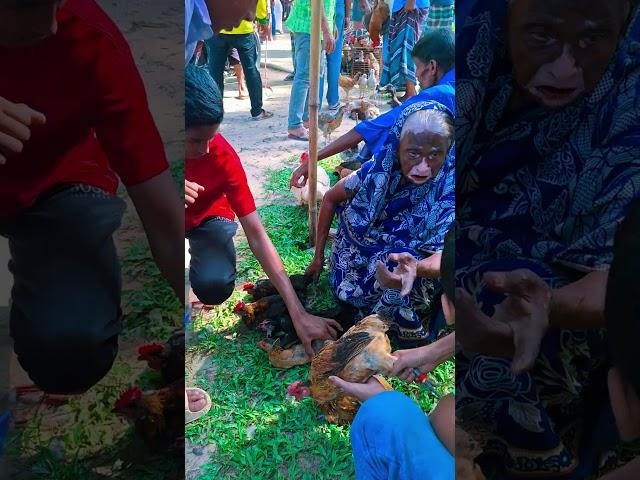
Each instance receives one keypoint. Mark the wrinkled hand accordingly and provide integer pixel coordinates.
(300, 173)
(402, 276)
(477, 332)
(16, 120)
(329, 42)
(314, 270)
(191, 190)
(406, 360)
(362, 391)
(525, 310)
(310, 328)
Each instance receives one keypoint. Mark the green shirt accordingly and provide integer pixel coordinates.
(299, 20)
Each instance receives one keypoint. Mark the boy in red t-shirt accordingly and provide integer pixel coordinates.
(215, 188)
(74, 120)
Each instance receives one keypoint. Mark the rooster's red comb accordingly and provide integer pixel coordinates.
(127, 397)
(150, 349)
(239, 307)
(247, 286)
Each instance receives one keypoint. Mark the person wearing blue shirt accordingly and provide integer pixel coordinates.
(407, 22)
(434, 55)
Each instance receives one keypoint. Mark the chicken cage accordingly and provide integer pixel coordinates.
(356, 59)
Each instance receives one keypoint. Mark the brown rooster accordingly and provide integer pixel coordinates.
(157, 415)
(168, 358)
(267, 307)
(348, 83)
(361, 352)
(328, 123)
(379, 16)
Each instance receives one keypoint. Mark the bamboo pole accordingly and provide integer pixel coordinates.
(314, 83)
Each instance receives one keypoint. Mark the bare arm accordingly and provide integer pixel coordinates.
(162, 215)
(430, 266)
(308, 327)
(266, 253)
(334, 197)
(580, 304)
(348, 140)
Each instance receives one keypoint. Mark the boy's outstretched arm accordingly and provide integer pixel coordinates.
(162, 215)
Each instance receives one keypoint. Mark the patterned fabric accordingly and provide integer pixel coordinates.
(386, 216)
(299, 20)
(404, 31)
(441, 17)
(544, 191)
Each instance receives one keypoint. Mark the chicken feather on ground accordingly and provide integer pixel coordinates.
(361, 352)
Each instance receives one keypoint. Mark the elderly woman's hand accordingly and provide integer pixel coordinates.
(314, 270)
(525, 310)
(477, 332)
(402, 276)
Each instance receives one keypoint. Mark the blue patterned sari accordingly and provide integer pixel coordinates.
(385, 215)
(544, 191)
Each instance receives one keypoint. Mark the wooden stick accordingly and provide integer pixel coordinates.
(314, 83)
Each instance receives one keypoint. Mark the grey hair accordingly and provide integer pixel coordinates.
(435, 121)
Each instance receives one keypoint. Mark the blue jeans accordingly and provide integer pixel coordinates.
(392, 439)
(212, 271)
(299, 101)
(248, 50)
(334, 61)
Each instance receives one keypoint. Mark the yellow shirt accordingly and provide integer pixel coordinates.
(247, 26)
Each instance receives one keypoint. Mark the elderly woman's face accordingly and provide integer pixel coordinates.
(561, 49)
(422, 155)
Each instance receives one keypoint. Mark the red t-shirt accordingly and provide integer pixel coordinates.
(98, 127)
(225, 185)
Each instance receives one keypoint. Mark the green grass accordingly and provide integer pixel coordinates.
(258, 433)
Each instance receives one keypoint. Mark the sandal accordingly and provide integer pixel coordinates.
(263, 115)
(190, 416)
(299, 134)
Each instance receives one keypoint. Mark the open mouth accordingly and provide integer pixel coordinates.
(555, 94)
(419, 178)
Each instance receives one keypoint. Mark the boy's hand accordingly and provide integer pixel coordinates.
(191, 190)
(16, 120)
(362, 391)
(314, 270)
(310, 328)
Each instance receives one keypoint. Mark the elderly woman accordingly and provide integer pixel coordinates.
(401, 202)
(547, 124)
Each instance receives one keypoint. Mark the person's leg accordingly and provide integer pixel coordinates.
(248, 52)
(392, 439)
(212, 271)
(334, 64)
(273, 20)
(237, 68)
(217, 48)
(300, 87)
(65, 312)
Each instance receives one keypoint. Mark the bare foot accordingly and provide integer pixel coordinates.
(196, 400)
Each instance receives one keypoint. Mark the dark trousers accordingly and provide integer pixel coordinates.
(65, 303)
(247, 47)
(212, 271)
